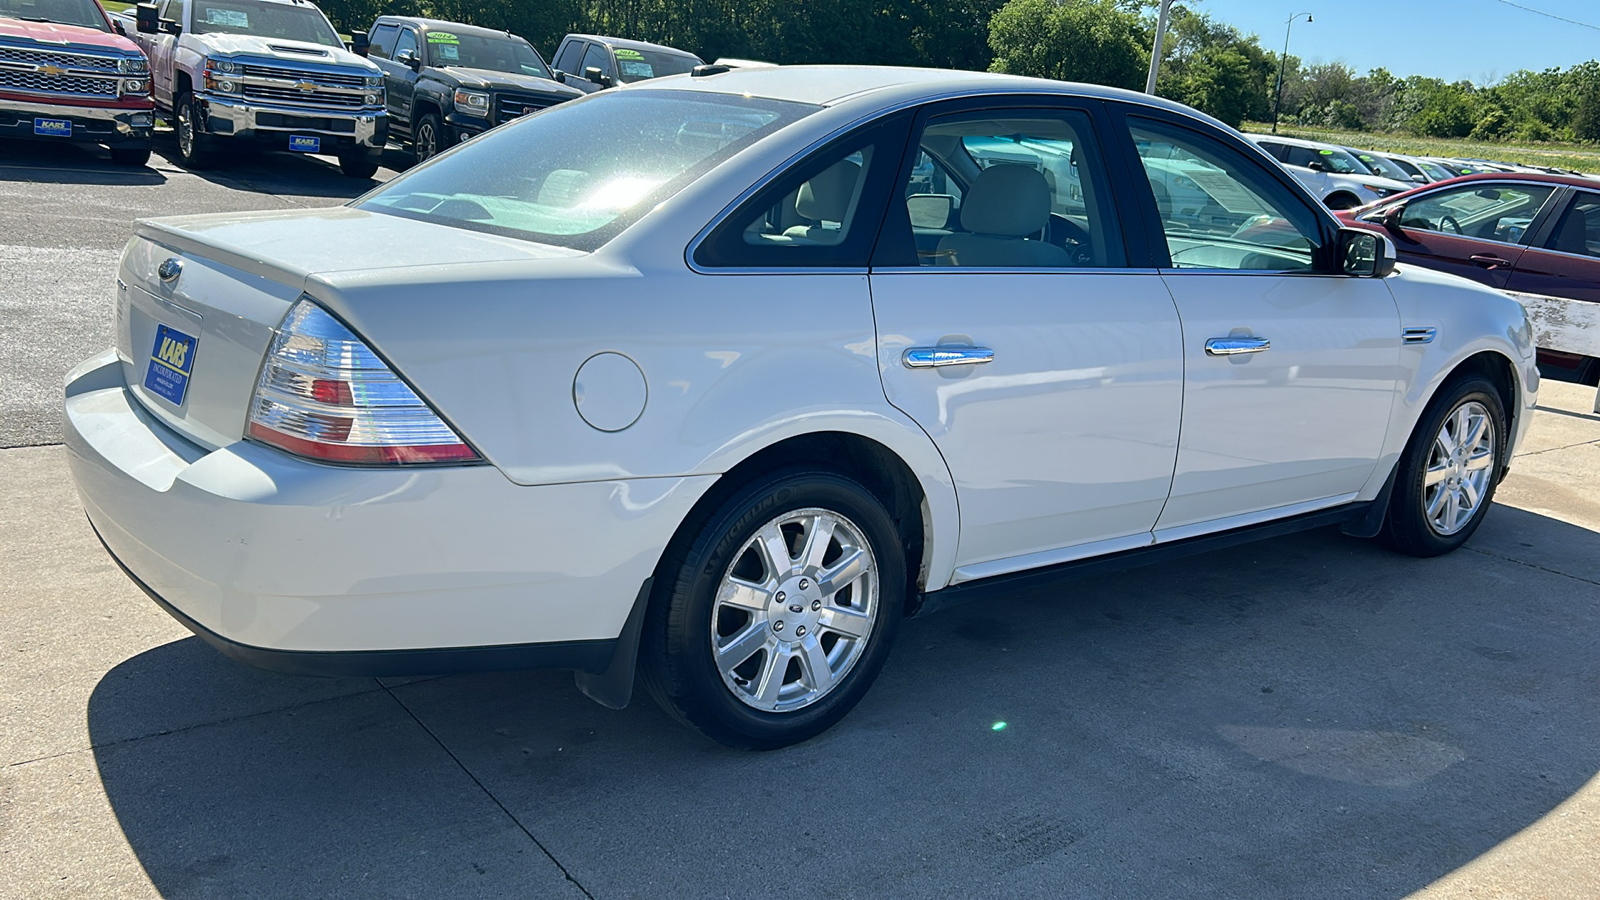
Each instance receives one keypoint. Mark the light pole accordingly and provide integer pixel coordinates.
(1277, 99)
(1155, 52)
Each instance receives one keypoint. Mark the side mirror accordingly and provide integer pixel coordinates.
(1364, 254)
(1391, 217)
(594, 74)
(1317, 165)
(171, 27)
(1420, 179)
(409, 60)
(557, 74)
(360, 44)
(116, 25)
(144, 18)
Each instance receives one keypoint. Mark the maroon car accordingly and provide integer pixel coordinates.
(1524, 233)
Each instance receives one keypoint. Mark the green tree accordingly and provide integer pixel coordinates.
(1096, 41)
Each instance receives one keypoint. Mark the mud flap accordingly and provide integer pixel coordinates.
(613, 687)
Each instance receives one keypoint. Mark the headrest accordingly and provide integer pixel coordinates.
(1007, 200)
(1574, 234)
(826, 197)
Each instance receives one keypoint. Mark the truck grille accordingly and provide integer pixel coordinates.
(29, 58)
(87, 75)
(307, 88)
(511, 106)
(57, 84)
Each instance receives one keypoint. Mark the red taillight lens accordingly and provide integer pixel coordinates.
(323, 394)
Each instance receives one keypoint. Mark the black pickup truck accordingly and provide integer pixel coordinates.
(447, 81)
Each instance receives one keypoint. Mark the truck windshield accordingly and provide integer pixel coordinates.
(577, 174)
(83, 13)
(638, 65)
(269, 20)
(475, 51)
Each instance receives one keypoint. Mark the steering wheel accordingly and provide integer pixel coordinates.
(1449, 223)
(1071, 237)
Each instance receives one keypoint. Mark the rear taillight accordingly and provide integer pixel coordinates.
(323, 394)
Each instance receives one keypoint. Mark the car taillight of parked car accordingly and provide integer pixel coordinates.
(324, 394)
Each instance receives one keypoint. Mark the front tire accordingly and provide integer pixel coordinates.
(774, 620)
(425, 144)
(1448, 472)
(194, 146)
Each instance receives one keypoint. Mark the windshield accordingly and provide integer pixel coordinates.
(475, 51)
(1379, 165)
(83, 13)
(637, 65)
(269, 20)
(576, 174)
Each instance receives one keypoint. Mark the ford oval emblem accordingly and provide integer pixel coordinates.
(170, 269)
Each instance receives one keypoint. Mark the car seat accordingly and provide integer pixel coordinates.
(1004, 206)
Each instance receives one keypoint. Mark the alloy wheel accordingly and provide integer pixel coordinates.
(794, 610)
(1460, 464)
(427, 142)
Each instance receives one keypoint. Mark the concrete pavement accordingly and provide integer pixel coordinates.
(1309, 716)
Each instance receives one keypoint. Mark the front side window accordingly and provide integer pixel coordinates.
(1578, 231)
(406, 43)
(1220, 209)
(269, 20)
(1010, 189)
(595, 58)
(578, 173)
(567, 60)
(1495, 212)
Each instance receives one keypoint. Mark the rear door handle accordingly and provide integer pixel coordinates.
(938, 357)
(1233, 346)
(1489, 261)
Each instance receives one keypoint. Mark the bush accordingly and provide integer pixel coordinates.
(1075, 40)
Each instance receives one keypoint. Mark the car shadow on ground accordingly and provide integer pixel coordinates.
(280, 172)
(43, 162)
(1307, 716)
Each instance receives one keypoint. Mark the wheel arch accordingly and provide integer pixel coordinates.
(1341, 199)
(880, 470)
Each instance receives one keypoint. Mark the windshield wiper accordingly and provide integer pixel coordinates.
(33, 19)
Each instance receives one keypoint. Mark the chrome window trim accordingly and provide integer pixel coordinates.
(1565, 253)
(1050, 97)
(780, 270)
(1012, 270)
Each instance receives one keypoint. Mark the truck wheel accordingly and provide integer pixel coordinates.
(194, 146)
(130, 156)
(358, 165)
(426, 142)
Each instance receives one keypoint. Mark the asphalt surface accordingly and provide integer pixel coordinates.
(1305, 717)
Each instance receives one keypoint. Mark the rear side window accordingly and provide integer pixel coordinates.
(383, 38)
(576, 174)
(823, 212)
(567, 59)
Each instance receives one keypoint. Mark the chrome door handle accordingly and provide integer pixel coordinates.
(935, 357)
(1231, 346)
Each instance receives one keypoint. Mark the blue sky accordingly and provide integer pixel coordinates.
(1478, 40)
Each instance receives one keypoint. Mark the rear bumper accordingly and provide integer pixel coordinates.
(112, 126)
(316, 569)
(340, 130)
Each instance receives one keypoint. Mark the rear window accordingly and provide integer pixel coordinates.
(576, 174)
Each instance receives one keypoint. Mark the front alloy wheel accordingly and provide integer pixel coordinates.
(774, 612)
(1446, 477)
(193, 146)
(426, 143)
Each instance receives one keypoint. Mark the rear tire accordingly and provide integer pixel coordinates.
(194, 146)
(130, 156)
(773, 620)
(1448, 472)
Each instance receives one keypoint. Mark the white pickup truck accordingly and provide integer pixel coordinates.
(271, 72)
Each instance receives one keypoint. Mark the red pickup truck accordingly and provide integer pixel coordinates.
(66, 74)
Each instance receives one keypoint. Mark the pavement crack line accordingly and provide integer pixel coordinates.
(1514, 560)
(490, 794)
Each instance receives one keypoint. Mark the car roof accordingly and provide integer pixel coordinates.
(615, 42)
(440, 24)
(1537, 177)
(837, 85)
(1296, 142)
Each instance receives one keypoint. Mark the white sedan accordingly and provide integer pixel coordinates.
(725, 374)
